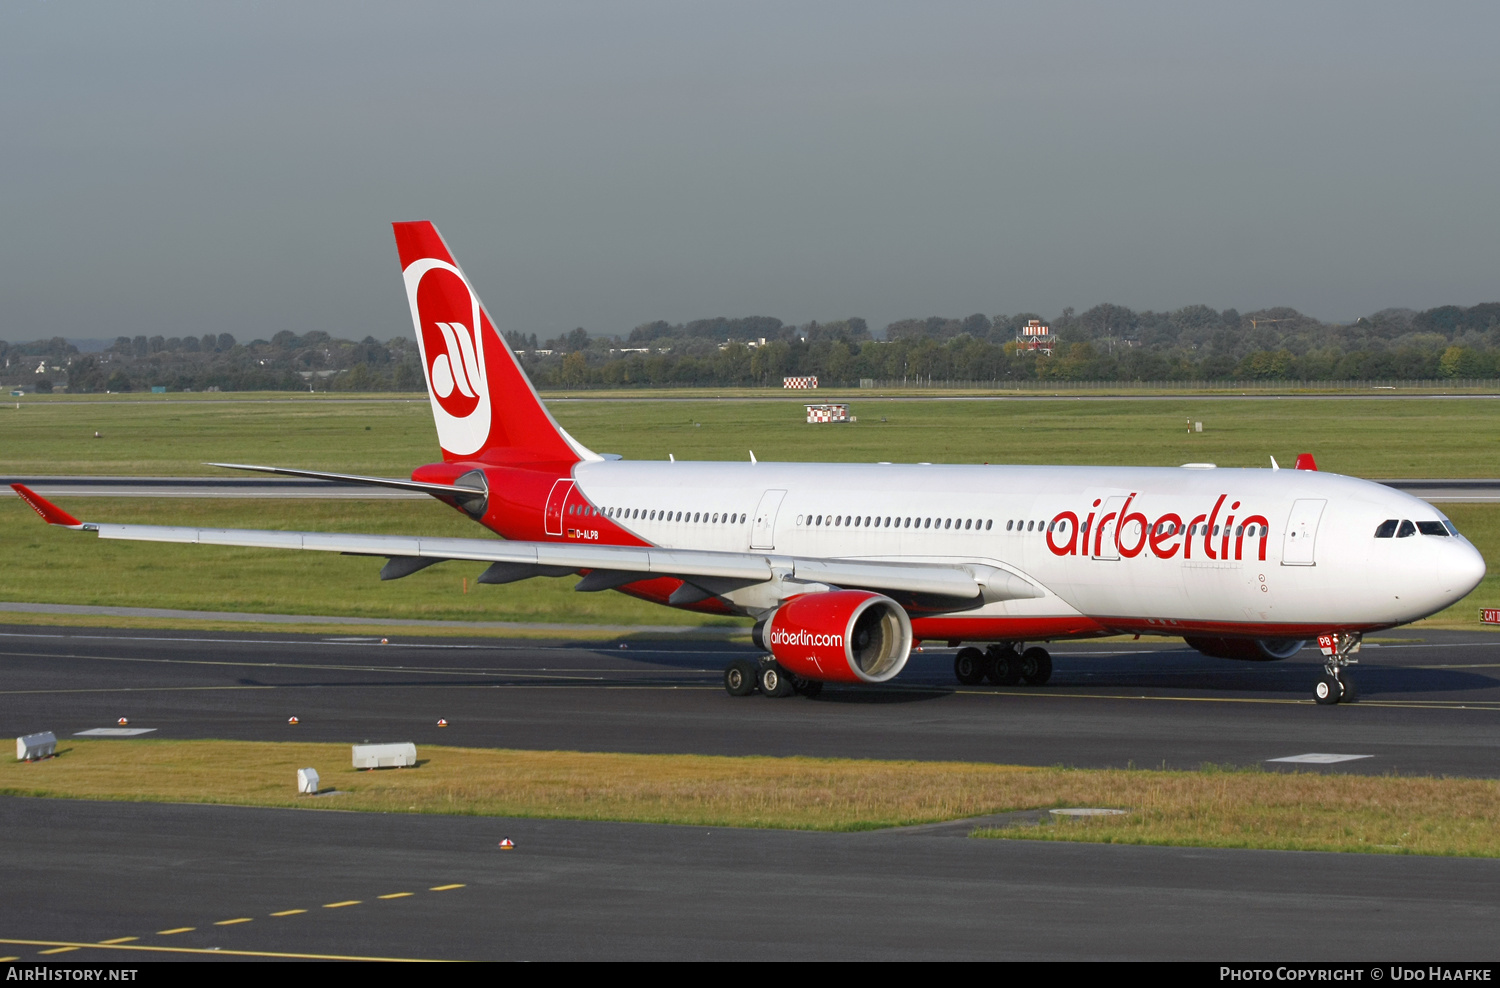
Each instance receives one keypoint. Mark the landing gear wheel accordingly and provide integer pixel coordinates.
(968, 666)
(1328, 691)
(806, 687)
(1036, 666)
(1350, 693)
(1005, 667)
(739, 678)
(774, 682)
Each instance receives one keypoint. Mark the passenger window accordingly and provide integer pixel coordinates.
(1406, 529)
(988, 522)
(1432, 528)
(1386, 529)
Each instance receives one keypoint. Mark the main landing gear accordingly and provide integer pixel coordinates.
(1336, 685)
(745, 676)
(1003, 665)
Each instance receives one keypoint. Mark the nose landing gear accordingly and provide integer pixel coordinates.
(1336, 685)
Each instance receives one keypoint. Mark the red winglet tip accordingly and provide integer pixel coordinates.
(1305, 461)
(51, 513)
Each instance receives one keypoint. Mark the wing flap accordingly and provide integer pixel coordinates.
(944, 581)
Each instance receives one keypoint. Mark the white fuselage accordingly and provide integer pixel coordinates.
(1110, 543)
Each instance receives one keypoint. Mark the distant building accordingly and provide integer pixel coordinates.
(827, 413)
(1035, 335)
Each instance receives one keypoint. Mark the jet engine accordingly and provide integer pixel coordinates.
(841, 636)
(1248, 649)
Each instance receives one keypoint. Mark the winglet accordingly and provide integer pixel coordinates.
(51, 513)
(1305, 461)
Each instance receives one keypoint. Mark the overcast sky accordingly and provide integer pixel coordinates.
(212, 167)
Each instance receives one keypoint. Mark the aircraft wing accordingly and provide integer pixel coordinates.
(606, 566)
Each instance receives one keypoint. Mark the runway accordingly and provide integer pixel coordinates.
(124, 882)
(213, 882)
(1430, 702)
(1435, 489)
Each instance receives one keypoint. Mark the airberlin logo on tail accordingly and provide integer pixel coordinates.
(451, 333)
(454, 367)
(1109, 532)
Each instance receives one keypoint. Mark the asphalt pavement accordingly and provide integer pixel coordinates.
(90, 882)
(126, 882)
(1429, 701)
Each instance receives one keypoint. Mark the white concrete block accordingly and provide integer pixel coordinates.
(307, 781)
(32, 746)
(385, 755)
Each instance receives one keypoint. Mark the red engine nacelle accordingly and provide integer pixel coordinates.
(842, 636)
(1248, 649)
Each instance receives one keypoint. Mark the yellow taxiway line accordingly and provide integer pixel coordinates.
(67, 945)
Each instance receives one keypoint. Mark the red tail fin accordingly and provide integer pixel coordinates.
(485, 407)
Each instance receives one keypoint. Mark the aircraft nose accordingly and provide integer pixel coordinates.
(1460, 570)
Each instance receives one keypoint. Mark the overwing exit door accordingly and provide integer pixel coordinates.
(763, 528)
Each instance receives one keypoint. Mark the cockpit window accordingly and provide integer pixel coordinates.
(1450, 527)
(1432, 528)
(1386, 529)
(1406, 529)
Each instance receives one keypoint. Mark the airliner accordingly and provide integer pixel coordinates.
(846, 567)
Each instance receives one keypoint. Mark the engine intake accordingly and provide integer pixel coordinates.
(842, 636)
(1248, 649)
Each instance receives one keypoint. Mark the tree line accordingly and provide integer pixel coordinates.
(1104, 343)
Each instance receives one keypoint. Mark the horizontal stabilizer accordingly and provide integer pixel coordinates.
(422, 486)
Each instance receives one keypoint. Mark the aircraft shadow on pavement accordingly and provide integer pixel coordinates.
(1295, 677)
(673, 655)
(874, 696)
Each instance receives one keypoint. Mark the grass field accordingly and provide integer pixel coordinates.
(1212, 808)
(1418, 437)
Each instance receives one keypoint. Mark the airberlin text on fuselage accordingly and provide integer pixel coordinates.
(1216, 532)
